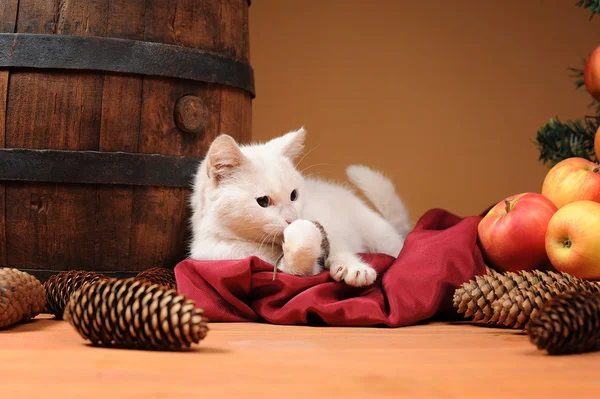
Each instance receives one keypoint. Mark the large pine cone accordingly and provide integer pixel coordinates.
(508, 298)
(136, 314)
(22, 297)
(567, 323)
(59, 288)
(516, 307)
(159, 275)
(476, 297)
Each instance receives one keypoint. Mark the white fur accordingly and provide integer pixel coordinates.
(382, 193)
(302, 243)
(228, 223)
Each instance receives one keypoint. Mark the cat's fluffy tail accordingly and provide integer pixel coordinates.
(381, 192)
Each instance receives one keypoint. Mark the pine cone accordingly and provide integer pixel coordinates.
(158, 275)
(22, 297)
(567, 323)
(476, 298)
(516, 307)
(136, 314)
(59, 288)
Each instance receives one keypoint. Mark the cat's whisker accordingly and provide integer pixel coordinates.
(277, 260)
(316, 164)
(248, 228)
(305, 154)
(273, 240)
(317, 173)
(275, 265)
(264, 237)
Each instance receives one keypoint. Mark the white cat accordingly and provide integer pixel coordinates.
(250, 200)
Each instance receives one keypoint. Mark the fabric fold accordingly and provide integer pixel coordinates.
(439, 254)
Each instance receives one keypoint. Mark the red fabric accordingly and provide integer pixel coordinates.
(438, 256)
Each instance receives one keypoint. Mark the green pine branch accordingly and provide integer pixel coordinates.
(577, 74)
(558, 140)
(593, 6)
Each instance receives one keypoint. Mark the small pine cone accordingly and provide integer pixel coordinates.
(516, 307)
(22, 297)
(59, 288)
(136, 314)
(567, 323)
(159, 275)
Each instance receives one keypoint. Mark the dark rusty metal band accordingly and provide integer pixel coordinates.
(93, 167)
(28, 50)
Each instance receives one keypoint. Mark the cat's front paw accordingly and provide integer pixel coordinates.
(301, 248)
(351, 270)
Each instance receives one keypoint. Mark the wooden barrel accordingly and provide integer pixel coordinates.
(106, 108)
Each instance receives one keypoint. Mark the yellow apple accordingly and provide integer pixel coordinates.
(572, 179)
(573, 239)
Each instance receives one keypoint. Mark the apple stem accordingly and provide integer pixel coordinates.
(567, 243)
(596, 169)
(507, 203)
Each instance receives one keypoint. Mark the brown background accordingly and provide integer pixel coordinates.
(444, 97)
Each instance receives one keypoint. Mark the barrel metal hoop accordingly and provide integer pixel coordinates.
(94, 167)
(28, 50)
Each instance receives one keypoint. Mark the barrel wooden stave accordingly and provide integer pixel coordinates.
(106, 228)
(8, 15)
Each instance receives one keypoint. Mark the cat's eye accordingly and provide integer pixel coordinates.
(263, 201)
(294, 195)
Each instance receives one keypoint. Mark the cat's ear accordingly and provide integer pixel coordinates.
(291, 144)
(223, 157)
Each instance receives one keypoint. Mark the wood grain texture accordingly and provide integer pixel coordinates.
(50, 225)
(236, 114)
(187, 23)
(53, 224)
(58, 226)
(233, 25)
(3, 95)
(120, 130)
(8, 15)
(268, 361)
(8, 23)
(156, 240)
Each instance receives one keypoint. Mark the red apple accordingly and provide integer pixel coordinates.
(591, 74)
(572, 239)
(572, 179)
(512, 234)
(597, 143)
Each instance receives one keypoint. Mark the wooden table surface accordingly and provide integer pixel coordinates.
(47, 359)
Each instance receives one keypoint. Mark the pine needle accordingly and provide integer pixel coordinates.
(593, 6)
(558, 140)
